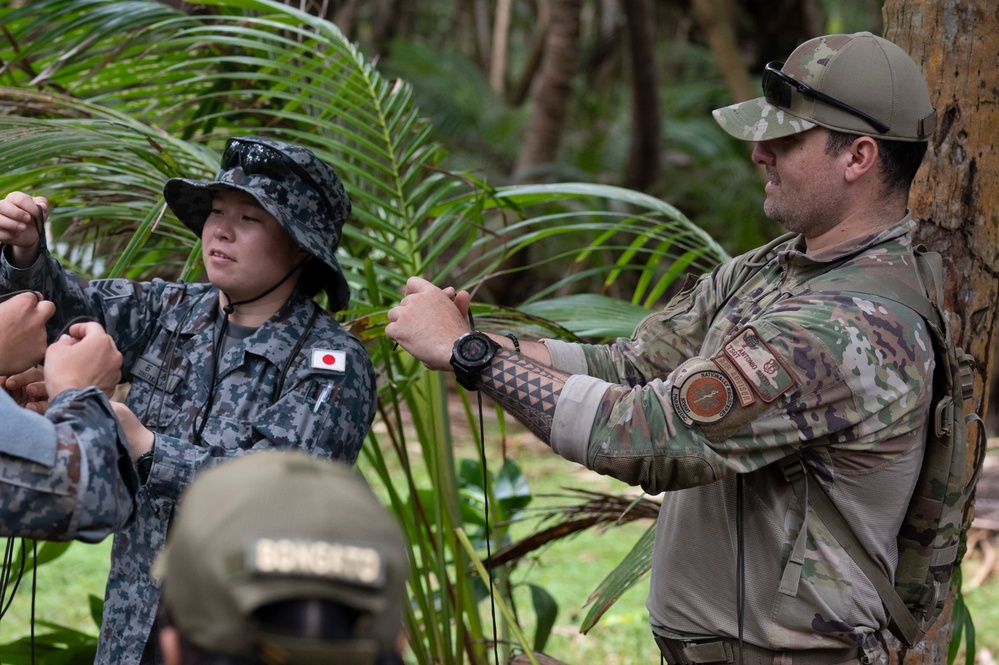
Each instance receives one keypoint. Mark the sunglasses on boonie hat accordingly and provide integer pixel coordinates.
(256, 158)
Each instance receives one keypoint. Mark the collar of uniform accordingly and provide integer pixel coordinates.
(278, 335)
(795, 254)
(196, 313)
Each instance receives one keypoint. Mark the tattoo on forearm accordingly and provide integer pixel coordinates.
(528, 391)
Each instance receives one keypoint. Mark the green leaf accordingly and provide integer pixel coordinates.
(546, 612)
(624, 576)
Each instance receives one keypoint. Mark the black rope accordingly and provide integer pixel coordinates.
(228, 309)
(12, 294)
(740, 570)
(485, 499)
(34, 594)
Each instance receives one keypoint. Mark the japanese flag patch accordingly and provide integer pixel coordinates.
(328, 360)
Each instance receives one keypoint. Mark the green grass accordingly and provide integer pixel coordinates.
(63, 590)
(569, 570)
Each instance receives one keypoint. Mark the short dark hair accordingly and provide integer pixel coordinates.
(313, 278)
(898, 160)
(192, 654)
(308, 618)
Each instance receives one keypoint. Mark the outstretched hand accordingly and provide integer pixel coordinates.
(428, 320)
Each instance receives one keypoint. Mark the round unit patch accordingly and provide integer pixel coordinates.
(703, 397)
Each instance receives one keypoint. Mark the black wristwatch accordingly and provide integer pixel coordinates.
(144, 465)
(472, 353)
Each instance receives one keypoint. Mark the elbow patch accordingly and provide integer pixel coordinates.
(724, 393)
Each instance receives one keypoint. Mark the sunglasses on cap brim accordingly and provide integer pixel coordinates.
(778, 86)
(261, 159)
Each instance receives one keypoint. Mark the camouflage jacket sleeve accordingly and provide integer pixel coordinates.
(125, 308)
(666, 338)
(778, 368)
(77, 482)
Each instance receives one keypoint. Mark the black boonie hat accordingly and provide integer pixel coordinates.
(301, 191)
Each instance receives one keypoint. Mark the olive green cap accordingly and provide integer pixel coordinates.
(277, 526)
(862, 70)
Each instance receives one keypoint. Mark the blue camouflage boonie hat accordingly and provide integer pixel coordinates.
(300, 190)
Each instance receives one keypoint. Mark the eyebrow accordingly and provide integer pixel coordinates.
(240, 197)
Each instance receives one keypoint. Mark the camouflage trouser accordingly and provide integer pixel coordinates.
(680, 652)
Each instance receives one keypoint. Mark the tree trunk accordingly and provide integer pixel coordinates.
(501, 37)
(519, 90)
(552, 90)
(955, 198)
(642, 169)
(717, 21)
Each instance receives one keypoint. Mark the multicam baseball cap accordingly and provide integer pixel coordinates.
(858, 84)
(288, 181)
(275, 526)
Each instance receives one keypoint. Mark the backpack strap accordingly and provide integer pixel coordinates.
(929, 268)
(797, 475)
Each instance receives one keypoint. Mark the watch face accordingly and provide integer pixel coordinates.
(474, 348)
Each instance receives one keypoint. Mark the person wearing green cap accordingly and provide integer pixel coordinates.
(245, 362)
(282, 558)
(778, 362)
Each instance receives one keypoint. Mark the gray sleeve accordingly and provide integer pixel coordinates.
(566, 356)
(24, 434)
(574, 414)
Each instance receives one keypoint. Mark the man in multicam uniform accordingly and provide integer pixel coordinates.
(244, 363)
(751, 369)
(65, 475)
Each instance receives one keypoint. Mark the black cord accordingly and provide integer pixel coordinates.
(72, 322)
(740, 569)
(279, 387)
(485, 499)
(8, 560)
(20, 573)
(227, 309)
(12, 294)
(34, 592)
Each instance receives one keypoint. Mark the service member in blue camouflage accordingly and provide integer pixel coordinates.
(768, 362)
(64, 475)
(246, 362)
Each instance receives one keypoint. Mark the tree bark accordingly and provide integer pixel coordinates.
(955, 198)
(716, 19)
(642, 170)
(501, 37)
(552, 90)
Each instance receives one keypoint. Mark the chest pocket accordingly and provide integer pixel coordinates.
(305, 417)
(158, 396)
(228, 433)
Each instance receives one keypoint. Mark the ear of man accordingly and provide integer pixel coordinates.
(861, 159)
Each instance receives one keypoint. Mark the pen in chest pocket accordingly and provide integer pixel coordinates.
(324, 396)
